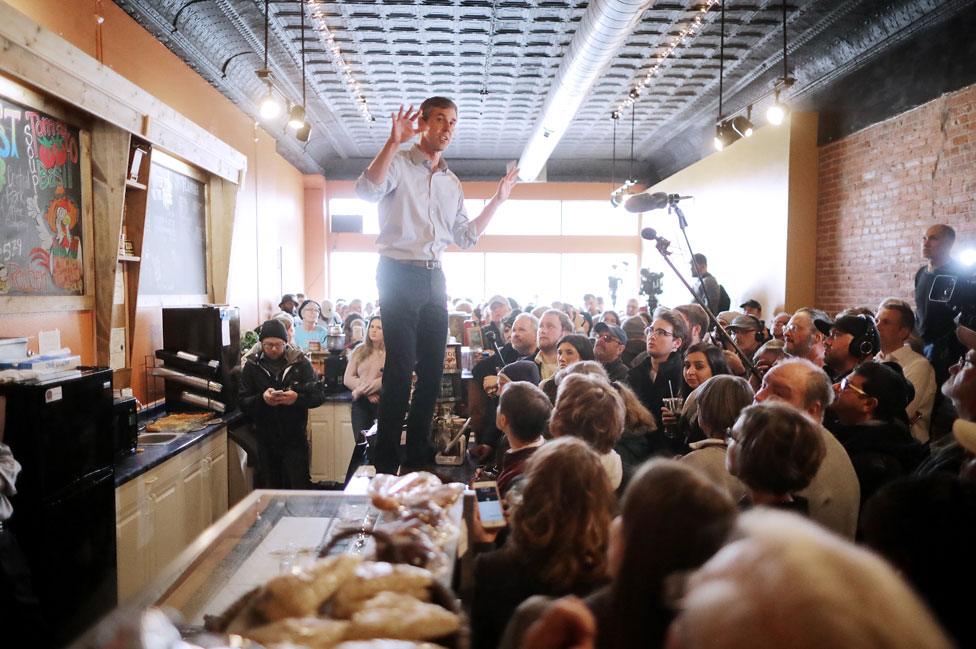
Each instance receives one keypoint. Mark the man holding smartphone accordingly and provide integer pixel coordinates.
(278, 386)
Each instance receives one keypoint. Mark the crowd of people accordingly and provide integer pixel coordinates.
(649, 464)
(834, 456)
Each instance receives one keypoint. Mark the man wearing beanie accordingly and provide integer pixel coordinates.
(278, 386)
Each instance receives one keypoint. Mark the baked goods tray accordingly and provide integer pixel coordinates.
(266, 534)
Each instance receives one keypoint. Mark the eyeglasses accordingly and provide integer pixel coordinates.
(661, 333)
(846, 383)
(729, 437)
(607, 338)
(267, 344)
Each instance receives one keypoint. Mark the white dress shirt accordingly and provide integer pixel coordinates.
(421, 208)
(919, 372)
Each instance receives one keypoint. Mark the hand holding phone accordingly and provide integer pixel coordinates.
(489, 505)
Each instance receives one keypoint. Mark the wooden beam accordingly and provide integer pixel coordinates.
(45, 60)
(110, 157)
(223, 203)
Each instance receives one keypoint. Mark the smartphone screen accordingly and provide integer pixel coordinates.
(489, 505)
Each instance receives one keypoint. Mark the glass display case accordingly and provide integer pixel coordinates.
(266, 534)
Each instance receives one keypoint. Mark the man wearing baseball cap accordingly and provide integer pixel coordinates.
(747, 332)
(848, 341)
(610, 343)
(753, 308)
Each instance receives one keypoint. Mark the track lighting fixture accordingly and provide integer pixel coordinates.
(724, 135)
(742, 124)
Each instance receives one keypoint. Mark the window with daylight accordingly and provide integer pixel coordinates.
(597, 218)
(353, 275)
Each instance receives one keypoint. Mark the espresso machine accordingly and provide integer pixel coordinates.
(330, 363)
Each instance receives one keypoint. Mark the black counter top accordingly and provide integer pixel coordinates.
(151, 456)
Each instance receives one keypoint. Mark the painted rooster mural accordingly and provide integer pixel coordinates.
(60, 249)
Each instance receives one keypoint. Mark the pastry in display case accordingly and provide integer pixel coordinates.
(315, 569)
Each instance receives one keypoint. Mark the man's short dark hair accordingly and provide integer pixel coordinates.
(905, 313)
(435, 102)
(700, 259)
(678, 325)
(695, 315)
(886, 383)
(527, 409)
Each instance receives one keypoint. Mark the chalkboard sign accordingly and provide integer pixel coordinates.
(174, 247)
(40, 204)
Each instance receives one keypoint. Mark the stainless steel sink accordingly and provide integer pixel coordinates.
(150, 439)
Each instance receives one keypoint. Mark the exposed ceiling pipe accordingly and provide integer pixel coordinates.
(604, 29)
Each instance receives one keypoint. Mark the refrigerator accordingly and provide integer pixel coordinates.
(64, 509)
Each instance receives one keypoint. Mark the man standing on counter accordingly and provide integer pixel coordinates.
(278, 386)
(421, 212)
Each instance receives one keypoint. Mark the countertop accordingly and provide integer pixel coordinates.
(148, 457)
(151, 456)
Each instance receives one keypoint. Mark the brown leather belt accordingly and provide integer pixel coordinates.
(429, 264)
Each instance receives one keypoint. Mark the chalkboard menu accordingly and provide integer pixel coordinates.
(174, 247)
(40, 204)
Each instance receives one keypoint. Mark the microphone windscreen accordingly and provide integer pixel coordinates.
(649, 233)
(645, 202)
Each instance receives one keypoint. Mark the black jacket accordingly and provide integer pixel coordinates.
(651, 393)
(297, 374)
(880, 452)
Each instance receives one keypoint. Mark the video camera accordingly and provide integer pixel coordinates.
(959, 294)
(651, 286)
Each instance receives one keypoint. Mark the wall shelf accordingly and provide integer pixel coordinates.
(134, 184)
(131, 258)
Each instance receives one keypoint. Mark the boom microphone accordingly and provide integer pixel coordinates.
(645, 202)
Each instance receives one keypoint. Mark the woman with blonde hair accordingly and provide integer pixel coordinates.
(558, 538)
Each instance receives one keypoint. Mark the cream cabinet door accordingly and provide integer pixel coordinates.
(321, 426)
(196, 497)
(166, 503)
(343, 442)
(217, 466)
(132, 538)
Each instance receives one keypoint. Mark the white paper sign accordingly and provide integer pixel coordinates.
(48, 342)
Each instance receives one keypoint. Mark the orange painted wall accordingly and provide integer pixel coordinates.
(267, 251)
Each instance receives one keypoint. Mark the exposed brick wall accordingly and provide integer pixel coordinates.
(882, 187)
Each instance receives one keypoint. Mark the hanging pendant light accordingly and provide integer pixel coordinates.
(298, 119)
(723, 134)
(777, 111)
(270, 106)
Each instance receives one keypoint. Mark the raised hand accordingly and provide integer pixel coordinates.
(506, 184)
(404, 126)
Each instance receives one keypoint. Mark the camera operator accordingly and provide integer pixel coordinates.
(935, 317)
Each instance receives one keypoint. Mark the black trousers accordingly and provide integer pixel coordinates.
(282, 460)
(363, 415)
(414, 307)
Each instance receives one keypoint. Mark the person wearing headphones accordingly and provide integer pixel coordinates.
(747, 332)
(849, 341)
